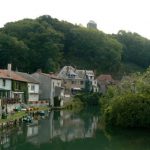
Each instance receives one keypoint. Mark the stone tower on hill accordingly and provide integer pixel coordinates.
(91, 25)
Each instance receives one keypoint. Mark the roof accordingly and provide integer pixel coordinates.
(91, 21)
(4, 74)
(52, 76)
(80, 74)
(11, 75)
(27, 76)
(104, 77)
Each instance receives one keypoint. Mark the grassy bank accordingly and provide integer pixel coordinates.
(20, 114)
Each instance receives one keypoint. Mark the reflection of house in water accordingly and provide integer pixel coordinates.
(63, 125)
(32, 130)
(5, 141)
(39, 133)
(69, 127)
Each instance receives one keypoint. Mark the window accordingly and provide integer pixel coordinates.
(73, 82)
(81, 82)
(32, 87)
(4, 82)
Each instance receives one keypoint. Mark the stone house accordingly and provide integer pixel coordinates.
(75, 80)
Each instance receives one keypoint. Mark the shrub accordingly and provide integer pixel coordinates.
(130, 110)
(89, 98)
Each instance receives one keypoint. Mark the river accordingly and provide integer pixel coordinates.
(66, 130)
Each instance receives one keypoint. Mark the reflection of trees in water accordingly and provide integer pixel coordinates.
(75, 131)
(131, 139)
(90, 116)
(12, 138)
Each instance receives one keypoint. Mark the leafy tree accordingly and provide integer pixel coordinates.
(13, 51)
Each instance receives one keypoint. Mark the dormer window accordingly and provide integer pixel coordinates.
(71, 76)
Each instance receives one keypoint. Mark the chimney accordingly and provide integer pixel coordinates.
(9, 69)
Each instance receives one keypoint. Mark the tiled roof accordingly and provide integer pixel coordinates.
(79, 73)
(4, 74)
(105, 78)
(11, 75)
(53, 76)
(27, 76)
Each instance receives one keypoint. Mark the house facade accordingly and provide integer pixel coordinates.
(12, 85)
(75, 80)
(13, 90)
(33, 87)
(50, 86)
(57, 91)
(5, 85)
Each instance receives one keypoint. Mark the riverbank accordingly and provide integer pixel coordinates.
(17, 116)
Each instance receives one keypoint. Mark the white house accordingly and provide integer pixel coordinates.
(33, 86)
(5, 84)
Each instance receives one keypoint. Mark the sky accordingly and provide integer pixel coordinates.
(110, 15)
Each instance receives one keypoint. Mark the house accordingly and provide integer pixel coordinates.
(57, 91)
(33, 86)
(5, 88)
(13, 89)
(75, 80)
(13, 85)
(50, 87)
(5, 84)
(103, 81)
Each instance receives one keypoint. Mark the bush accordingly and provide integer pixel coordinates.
(130, 110)
(89, 98)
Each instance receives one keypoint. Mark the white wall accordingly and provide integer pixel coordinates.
(33, 91)
(36, 88)
(7, 84)
(33, 97)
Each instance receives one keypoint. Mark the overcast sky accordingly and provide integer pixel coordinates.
(110, 15)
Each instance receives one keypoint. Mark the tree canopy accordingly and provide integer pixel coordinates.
(48, 43)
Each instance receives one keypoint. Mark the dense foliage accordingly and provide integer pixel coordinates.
(89, 99)
(48, 43)
(136, 51)
(128, 103)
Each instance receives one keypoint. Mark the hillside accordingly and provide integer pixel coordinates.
(48, 43)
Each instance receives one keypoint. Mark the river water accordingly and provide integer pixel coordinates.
(66, 130)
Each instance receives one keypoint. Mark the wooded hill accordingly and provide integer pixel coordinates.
(49, 44)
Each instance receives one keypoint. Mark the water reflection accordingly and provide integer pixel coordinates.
(62, 125)
(63, 130)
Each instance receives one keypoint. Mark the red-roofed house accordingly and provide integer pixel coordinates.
(5, 84)
(12, 85)
(103, 81)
